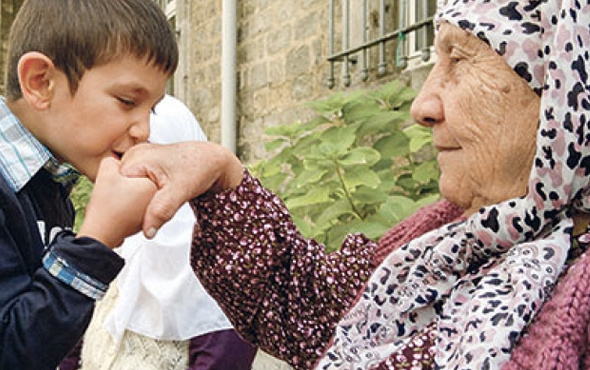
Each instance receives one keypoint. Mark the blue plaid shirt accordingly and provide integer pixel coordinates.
(21, 157)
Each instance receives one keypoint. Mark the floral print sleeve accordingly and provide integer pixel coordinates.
(281, 291)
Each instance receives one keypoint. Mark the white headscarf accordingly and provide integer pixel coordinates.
(159, 294)
(483, 280)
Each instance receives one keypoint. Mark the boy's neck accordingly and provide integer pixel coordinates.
(31, 118)
(25, 114)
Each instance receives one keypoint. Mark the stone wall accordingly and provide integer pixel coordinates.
(282, 64)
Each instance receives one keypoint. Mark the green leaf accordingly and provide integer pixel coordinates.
(392, 88)
(419, 137)
(355, 111)
(395, 145)
(427, 200)
(368, 195)
(406, 182)
(341, 138)
(364, 156)
(337, 233)
(282, 130)
(387, 177)
(374, 226)
(396, 94)
(335, 211)
(403, 97)
(361, 175)
(382, 122)
(396, 208)
(271, 169)
(273, 182)
(425, 171)
(310, 177)
(304, 227)
(302, 147)
(271, 146)
(330, 105)
(296, 129)
(80, 196)
(317, 195)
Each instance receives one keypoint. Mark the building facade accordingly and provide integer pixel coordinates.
(288, 53)
(285, 54)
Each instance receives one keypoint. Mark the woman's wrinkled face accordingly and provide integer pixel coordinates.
(483, 118)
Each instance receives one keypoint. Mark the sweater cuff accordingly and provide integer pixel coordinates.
(57, 266)
(83, 263)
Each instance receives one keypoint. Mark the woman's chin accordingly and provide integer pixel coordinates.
(455, 193)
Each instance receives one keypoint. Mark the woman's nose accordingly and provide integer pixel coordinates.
(427, 108)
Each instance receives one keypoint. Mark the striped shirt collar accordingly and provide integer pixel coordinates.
(22, 155)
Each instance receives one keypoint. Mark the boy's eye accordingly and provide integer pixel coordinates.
(127, 102)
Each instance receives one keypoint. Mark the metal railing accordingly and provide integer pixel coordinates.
(421, 28)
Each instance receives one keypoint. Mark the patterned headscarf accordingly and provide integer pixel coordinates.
(482, 281)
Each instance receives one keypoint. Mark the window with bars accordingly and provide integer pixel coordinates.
(378, 36)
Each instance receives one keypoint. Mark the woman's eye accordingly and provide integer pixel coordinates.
(456, 56)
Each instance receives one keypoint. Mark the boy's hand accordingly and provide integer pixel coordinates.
(117, 205)
(181, 172)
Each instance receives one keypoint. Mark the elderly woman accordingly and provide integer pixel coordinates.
(505, 284)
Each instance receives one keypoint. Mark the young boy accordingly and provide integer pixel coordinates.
(82, 78)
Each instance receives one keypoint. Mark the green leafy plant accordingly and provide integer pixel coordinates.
(80, 196)
(358, 165)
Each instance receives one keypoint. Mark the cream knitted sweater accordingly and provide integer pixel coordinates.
(134, 352)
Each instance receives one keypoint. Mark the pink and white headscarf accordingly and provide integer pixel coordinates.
(483, 280)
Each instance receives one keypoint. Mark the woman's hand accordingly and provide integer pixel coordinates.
(117, 205)
(181, 172)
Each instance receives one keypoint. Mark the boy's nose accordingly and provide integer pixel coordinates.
(140, 131)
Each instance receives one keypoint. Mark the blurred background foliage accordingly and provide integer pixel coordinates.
(359, 165)
(80, 196)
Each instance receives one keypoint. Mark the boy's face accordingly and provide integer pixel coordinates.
(108, 114)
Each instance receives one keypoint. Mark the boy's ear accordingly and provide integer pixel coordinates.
(36, 73)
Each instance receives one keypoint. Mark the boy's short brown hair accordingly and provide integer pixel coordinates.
(80, 34)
